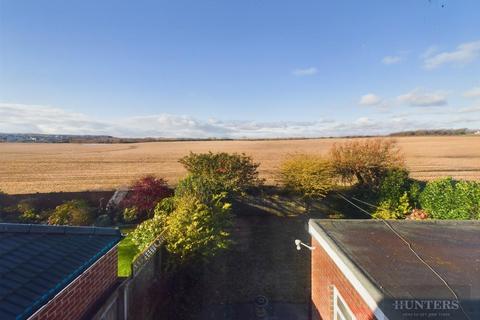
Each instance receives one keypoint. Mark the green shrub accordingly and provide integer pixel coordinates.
(147, 231)
(398, 210)
(150, 229)
(27, 209)
(30, 215)
(393, 186)
(73, 212)
(414, 192)
(449, 199)
(200, 187)
(227, 172)
(397, 194)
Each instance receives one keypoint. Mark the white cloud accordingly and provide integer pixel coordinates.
(421, 98)
(429, 52)
(18, 118)
(472, 93)
(391, 60)
(370, 99)
(470, 109)
(465, 53)
(305, 72)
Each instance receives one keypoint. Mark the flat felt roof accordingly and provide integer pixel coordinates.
(452, 248)
(38, 261)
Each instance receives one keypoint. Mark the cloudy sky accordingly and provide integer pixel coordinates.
(238, 68)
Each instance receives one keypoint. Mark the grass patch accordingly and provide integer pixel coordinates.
(127, 250)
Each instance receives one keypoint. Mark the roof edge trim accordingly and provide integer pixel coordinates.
(367, 290)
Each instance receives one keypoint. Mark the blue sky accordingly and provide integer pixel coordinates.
(238, 68)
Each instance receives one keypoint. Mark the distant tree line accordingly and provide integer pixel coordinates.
(65, 138)
(435, 132)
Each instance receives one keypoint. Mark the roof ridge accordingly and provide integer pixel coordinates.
(53, 229)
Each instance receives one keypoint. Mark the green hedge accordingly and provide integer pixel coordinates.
(449, 199)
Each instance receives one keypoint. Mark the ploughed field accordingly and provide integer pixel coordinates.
(30, 168)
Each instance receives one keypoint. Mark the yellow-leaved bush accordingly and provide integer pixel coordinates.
(309, 175)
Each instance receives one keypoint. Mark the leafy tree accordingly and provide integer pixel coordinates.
(449, 199)
(226, 172)
(366, 161)
(145, 194)
(73, 213)
(311, 176)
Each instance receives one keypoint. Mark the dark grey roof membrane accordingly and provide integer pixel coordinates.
(452, 248)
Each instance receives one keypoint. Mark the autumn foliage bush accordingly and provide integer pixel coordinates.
(366, 162)
(144, 194)
(309, 175)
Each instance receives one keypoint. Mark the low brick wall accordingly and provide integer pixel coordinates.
(74, 301)
(325, 275)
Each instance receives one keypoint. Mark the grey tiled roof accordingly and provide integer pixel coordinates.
(38, 261)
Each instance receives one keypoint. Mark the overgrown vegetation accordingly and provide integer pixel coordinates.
(192, 227)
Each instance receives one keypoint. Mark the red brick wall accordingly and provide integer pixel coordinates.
(76, 299)
(325, 275)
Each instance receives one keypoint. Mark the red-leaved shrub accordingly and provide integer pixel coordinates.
(145, 193)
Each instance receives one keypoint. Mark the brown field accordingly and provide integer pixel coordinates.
(30, 168)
